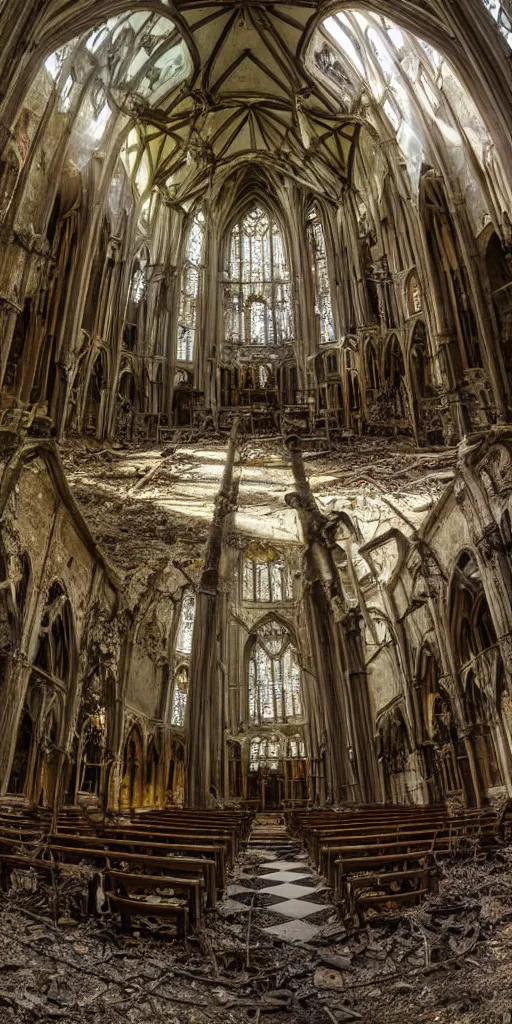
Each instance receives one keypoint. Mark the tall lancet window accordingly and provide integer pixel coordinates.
(274, 676)
(187, 319)
(186, 625)
(258, 306)
(179, 698)
(319, 267)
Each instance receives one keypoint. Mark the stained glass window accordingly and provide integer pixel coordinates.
(266, 581)
(264, 752)
(179, 699)
(316, 241)
(186, 626)
(257, 303)
(296, 747)
(139, 280)
(274, 676)
(502, 17)
(187, 319)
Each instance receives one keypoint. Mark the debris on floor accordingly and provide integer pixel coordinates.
(275, 951)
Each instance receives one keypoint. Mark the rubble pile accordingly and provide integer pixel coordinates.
(449, 960)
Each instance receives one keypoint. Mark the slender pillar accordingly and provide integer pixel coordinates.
(322, 595)
(203, 739)
(359, 703)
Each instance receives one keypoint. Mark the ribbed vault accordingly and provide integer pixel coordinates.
(251, 98)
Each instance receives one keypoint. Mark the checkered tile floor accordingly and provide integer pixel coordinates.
(293, 895)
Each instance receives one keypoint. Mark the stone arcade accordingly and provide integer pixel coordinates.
(255, 416)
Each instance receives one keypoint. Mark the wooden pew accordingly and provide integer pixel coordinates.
(122, 883)
(150, 847)
(358, 901)
(187, 867)
(389, 848)
(128, 908)
(348, 866)
(152, 834)
(238, 822)
(446, 840)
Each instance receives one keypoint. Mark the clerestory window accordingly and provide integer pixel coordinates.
(186, 626)
(267, 580)
(502, 14)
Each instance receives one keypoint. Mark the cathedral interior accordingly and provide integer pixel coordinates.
(256, 393)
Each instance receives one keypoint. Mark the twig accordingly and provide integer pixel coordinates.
(330, 1014)
(247, 947)
(346, 1010)
(149, 475)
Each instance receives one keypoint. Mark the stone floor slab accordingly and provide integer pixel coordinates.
(232, 907)
(296, 908)
(281, 876)
(285, 865)
(234, 889)
(288, 891)
(294, 931)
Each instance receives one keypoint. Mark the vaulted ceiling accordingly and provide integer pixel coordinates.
(250, 98)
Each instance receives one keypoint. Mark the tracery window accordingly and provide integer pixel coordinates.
(138, 54)
(179, 697)
(136, 309)
(274, 676)
(414, 299)
(258, 308)
(502, 17)
(139, 280)
(410, 81)
(267, 580)
(264, 753)
(318, 252)
(187, 318)
(296, 747)
(186, 626)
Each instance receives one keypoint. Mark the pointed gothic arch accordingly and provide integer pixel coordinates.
(257, 292)
(191, 277)
(132, 782)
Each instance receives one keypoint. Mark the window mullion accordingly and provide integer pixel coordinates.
(272, 282)
(273, 688)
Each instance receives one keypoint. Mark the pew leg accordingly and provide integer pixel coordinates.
(182, 927)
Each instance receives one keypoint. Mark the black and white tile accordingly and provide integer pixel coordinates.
(293, 897)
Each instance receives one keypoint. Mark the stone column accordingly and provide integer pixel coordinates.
(204, 741)
(342, 694)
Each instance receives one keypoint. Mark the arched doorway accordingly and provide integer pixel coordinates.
(133, 761)
(449, 767)
(176, 777)
(152, 776)
(296, 772)
(394, 385)
(235, 769)
(94, 411)
(38, 762)
(472, 637)
(395, 749)
(126, 406)
(266, 778)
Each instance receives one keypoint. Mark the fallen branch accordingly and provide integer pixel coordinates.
(247, 947)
